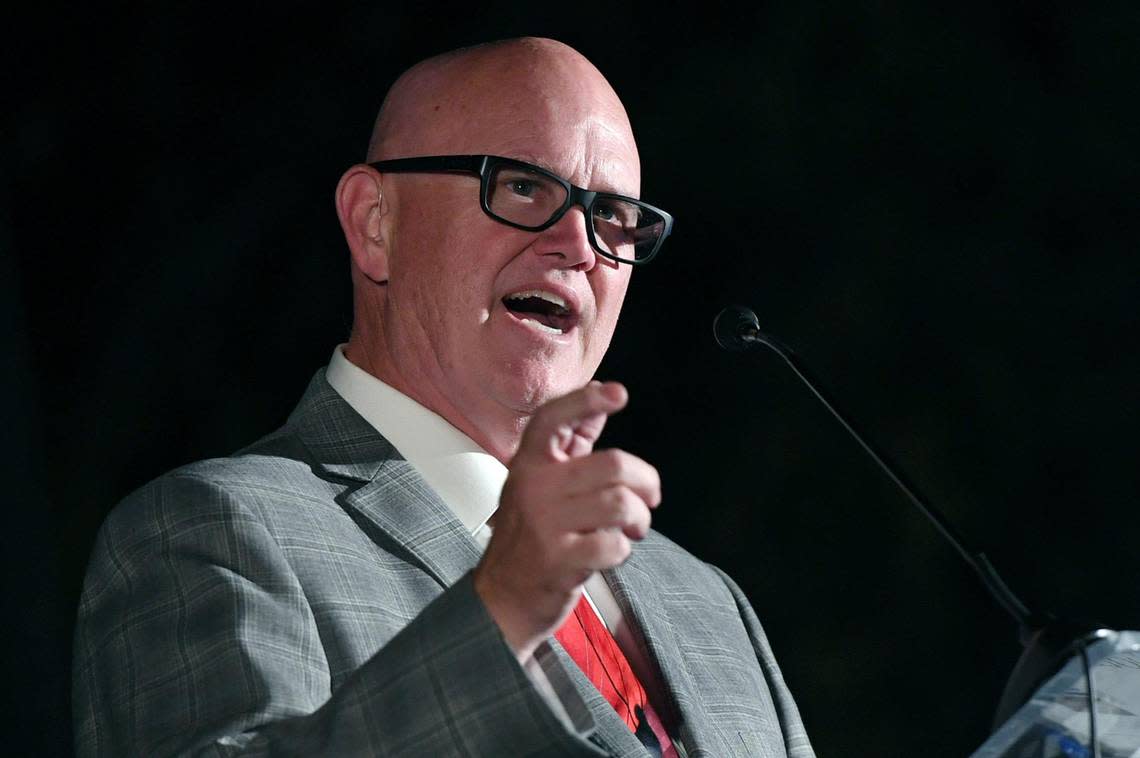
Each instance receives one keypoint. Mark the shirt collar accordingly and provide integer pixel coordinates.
(466, 477)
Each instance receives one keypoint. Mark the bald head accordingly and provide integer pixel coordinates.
(472, 100)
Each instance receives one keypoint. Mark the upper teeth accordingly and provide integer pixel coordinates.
(549, 297)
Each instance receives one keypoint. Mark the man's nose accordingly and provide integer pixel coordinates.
(568, 239)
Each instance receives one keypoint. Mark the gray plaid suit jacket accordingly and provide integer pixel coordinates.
(310, 595)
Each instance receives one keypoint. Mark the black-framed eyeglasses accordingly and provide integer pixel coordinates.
(528, 197)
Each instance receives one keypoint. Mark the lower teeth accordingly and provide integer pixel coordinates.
(542, 326)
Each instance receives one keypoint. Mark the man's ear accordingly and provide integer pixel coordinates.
(361, 208)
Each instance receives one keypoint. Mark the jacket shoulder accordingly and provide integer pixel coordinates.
(275, 470)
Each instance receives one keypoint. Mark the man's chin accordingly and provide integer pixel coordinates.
(527, 392)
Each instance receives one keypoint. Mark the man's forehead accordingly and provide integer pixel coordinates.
(590, 164)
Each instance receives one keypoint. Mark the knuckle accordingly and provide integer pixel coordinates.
(614, 499)
(614, 461)
(606, 548)
(620, 505)
(643, 518)
(622, 548)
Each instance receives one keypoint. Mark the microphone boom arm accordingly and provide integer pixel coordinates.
(747, 334)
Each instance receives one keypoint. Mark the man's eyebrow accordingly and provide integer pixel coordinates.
(537, 161)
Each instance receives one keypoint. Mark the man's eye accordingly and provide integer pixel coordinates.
(618, 214)
(522, 187)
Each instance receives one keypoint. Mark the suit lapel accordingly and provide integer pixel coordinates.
(660, 629)
(402, 511)
(386, 496)
(610, 731)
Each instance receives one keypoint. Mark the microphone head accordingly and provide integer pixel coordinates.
(736, 328)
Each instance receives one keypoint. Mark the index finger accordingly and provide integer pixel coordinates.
(579, 413)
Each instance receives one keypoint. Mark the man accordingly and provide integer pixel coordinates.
(346, 585)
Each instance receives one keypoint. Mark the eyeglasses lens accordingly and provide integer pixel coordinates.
(524, 197)
(623, 229)
(626, 230)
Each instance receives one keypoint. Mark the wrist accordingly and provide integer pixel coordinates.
(516, 630)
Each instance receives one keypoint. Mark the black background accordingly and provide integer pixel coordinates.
(935, 206)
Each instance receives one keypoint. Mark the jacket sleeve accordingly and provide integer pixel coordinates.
(194, 637)
(796, 740)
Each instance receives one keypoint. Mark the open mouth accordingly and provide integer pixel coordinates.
(544, 310)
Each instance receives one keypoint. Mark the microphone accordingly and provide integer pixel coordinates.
(1044, 637)
(736, 328)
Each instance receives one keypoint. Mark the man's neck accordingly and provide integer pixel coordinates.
(497, 433)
